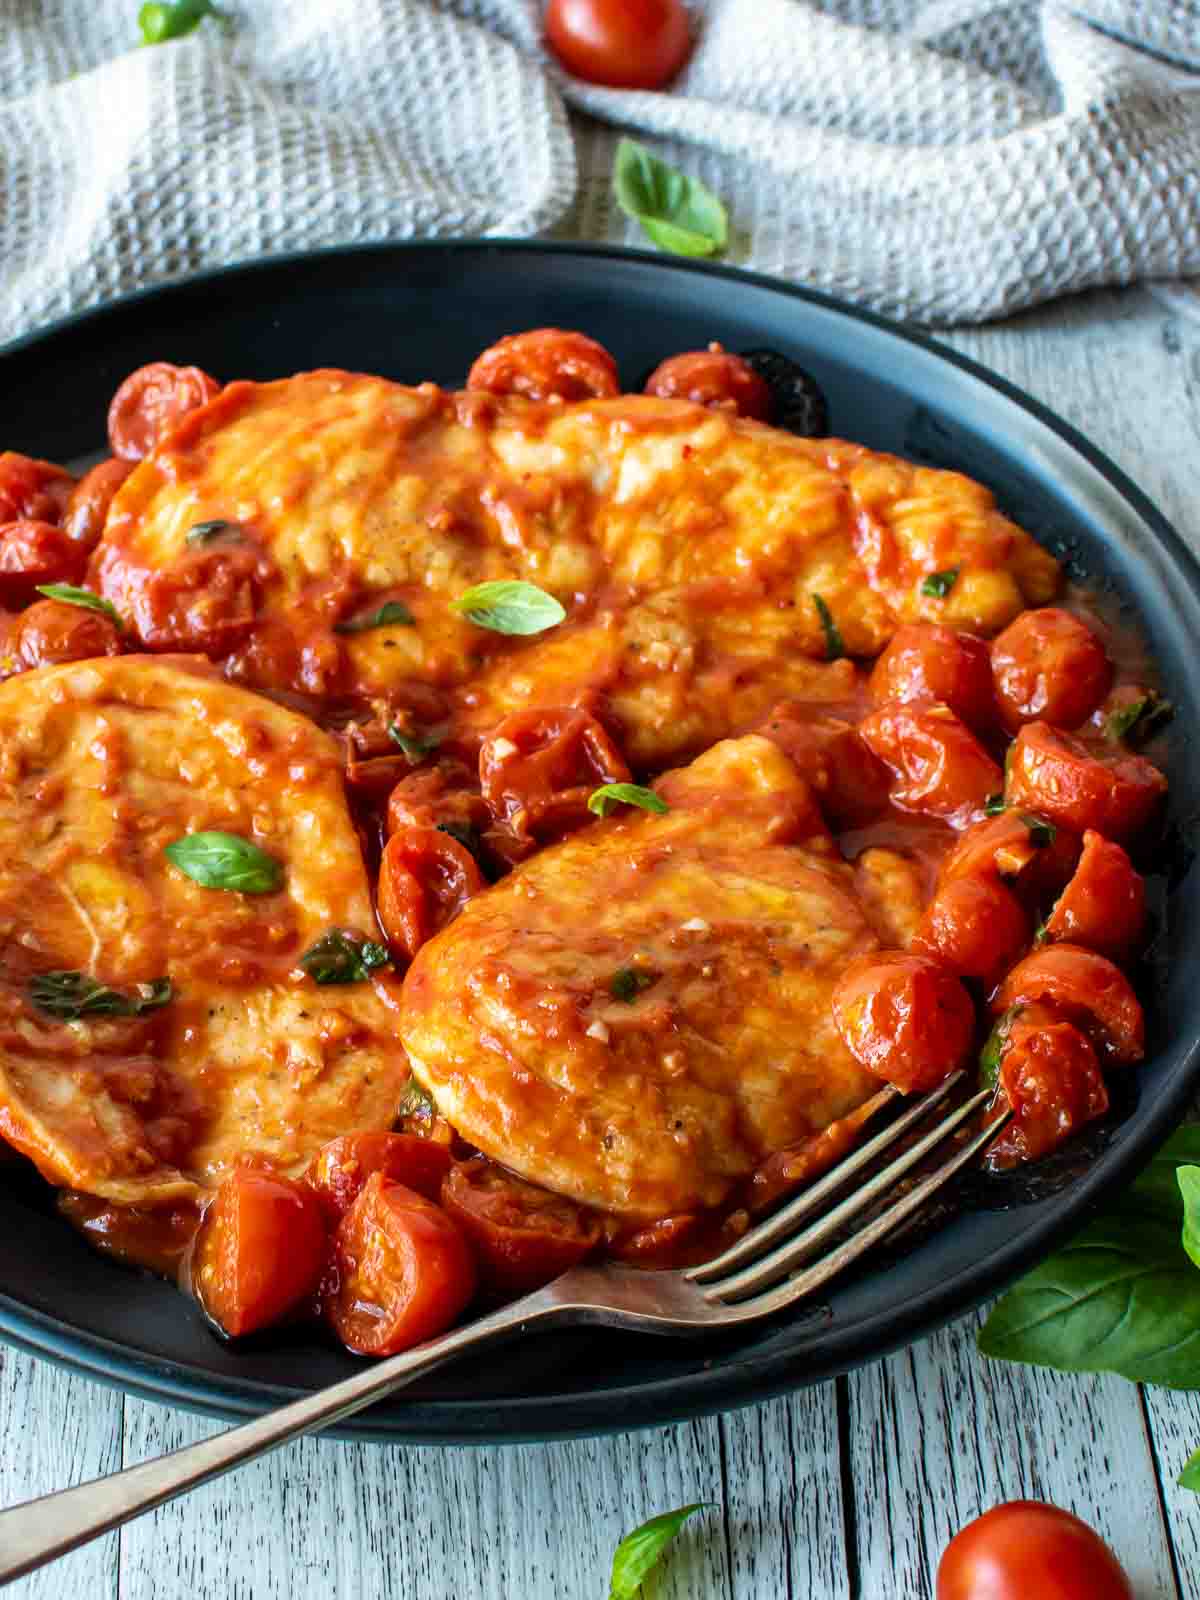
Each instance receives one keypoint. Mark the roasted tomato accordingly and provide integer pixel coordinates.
(1035, 861)
(34, 553)
(624, 44)
(205, 600)
(1104, 905)
(538, 768)
(402, 1271)
(1049, 1074)
(259, 1252)
(87, 509)
(976, 927)
(339, 1169)
(31, 490)
(443, 795)
(850, 783)
(546, 363)
(715, 378)
(940, 767)
(904, 1017)
(52, 631)
(1025, 1550)
(1049, 667)
(522, 1236)
(425, 878)
(1083, 785)
(1087, 988)
(925, 662)
(151, 402)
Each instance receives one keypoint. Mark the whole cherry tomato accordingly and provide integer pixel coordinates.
(546, 363)
(925, 661)
(940, 767)
(715, 378)
(522, 1236)
(1083, 785)
(149, 404)
(340, 1169)
(32, 490)
(260, 1250)
(625, 44)
(87, 509)
(1049, 667)
(34, 553)
(1025, 1550)
(1088, 988)
(1104, 905)
(426, 877)
(976, 927)
(52, 631)
(1050, 1076)
(904, 1017)
(850, 783)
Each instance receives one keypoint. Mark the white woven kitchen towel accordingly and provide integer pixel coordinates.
(946, 160)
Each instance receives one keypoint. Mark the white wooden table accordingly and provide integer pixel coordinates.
(848, 1490)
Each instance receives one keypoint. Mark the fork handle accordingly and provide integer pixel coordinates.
(38, 1531)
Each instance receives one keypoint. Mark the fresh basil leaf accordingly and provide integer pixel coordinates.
(993, 805)
(639, 1552)
(339, 957)
(71, 995)
(1188, 1179)
(172, 19)
(939, 584)
(415, 747)
(628, 982)
(509, 606)
(218, 860)
(72, 596)
(1189, 1478)
(678, 213)
(1136, 722)
(1155, 1190)
(393, 613)
(602, 800)
(417, 1102)
(992, 1053)
(1041, 832)
(210, 532)
(834, 648)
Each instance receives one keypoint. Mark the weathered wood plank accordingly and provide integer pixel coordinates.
(1175, 1433)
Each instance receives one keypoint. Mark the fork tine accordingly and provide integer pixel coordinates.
(783, 1222)
(797, 1249)
(805, 1283)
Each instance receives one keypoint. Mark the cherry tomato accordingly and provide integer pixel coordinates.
(974, 926)
(1050, 1076)
(904, 1017)
(713, 378)
(545, 363)
(447, 792)
(402, 1271)
(1085, 986)
(425, 879)
(1104, 905)
(1049, 667)
(1011, 847)
(522, 1236)
(87, 509)
(34, 553)
(51, 632)
(204, 600)
(625, 44)
(1083, 785)
(537, 769)
(939, 766)
(1025, 1550)
(925, 661)
(850, 783)
(259, 1252)
(31, 490)
(340, 1168)
(149, 404)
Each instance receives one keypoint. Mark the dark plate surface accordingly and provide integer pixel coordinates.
(423, 312)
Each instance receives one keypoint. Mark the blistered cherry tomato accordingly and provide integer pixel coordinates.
(32, 490)
(1050, 1076)
(87, 509)
(402, 1270)
(1025, 1550)
(51, 632)
(425, 879)
(546, 362)
(445, 793)
(715, 378)
(340, 1168)
(1084, 986)
(522, 1236)
(259, 1252)
(204, 600)
(939, 766)
(149, 404)
(1034, 861)
(1049, 667)
(1104, 905)
(537, 769)
(974, 926)
(904, 1017)
(624, 44)
(925, 661)
(1083, 785)
(34, 553)
(850, 783)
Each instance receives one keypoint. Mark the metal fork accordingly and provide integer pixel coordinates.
(756, 1278)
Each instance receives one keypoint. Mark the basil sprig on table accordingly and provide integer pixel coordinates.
(507, 605)
(71, 995)
(939, 584)
(341, 957)
(172, 19)
(834, 647)
(639, 1552)
(392, 613)
(218, 860)
(71, 595)
(678, 213)
(602, 800)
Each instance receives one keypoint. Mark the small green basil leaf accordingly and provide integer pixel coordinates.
(393, 613)
(417, 1102)
(993, 1051)
(993, 805)
(339, 957)
(509, 606)
(678, 213)
(210, 532)
(602, 800)
(627, 983)
(939, 584)
(72, 596)
(172, 19)
(1135, 722)
(218, 860)
(414, 746)
(1188, 1179)
(834, 648)
(71, 995)
(639, 1552)
(1189, 1478)
(1040, 934)
(1041, 832)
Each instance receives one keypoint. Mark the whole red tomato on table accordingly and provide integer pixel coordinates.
(1025, 1550)
(623, 44)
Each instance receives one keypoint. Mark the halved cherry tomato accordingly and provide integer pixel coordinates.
(260, 1250)
(34, 553)
(904, 1017)
(340, 1168)
(32, 490)
(87, 509)
(1104, 905)
(1034, 861)
(1025, 1550)
(447, 792)
(625, 44)
(925, 661)
(974, 926)
(1084, 785)
(522, 1236)
(1050, 1076)
(538, 768)
(940, 767)
(1085, 986)
(149, 404)
(402, 1271)
(715, 378)
(425, 878)
(51, 631)
(546, 362)
(850, 783)
(1049, 667)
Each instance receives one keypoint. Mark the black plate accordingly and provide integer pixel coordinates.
(424, 311)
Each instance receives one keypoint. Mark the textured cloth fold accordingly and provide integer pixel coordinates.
(944, 160)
